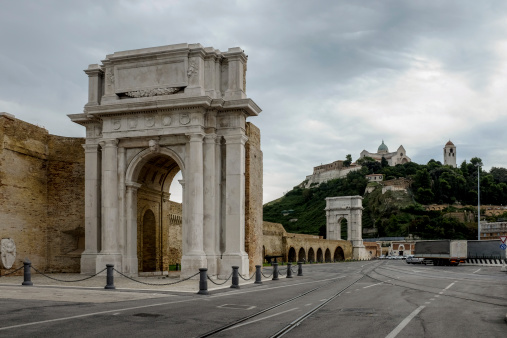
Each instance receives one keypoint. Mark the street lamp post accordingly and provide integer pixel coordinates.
(479, 201)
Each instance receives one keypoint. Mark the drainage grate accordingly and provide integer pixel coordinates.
(152, 315)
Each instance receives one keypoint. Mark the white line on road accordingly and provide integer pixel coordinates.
(257, 320)
(369, 286)
(477, 270)
(405, 322)
(448, 286)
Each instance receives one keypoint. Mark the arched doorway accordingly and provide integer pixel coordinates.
(344, 229)
(147, 254)
(339, 255)
(319, 256)
(311, 255)
(302, 255)
(152, 211)
(292, 255)
(328, 256)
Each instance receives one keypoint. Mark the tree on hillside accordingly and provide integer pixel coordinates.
(348, 161)
(499, 174)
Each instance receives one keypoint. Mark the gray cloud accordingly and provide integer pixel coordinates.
(329, 75)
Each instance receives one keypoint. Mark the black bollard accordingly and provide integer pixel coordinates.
(258, 278)
(177, 267)
(289, 271)
(300, 269)
(203, 281)
(110, 277)
(275, 271)
(27, 276)
(235, 277)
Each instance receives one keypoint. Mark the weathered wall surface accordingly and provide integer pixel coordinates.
(41, 194)
(253, 200)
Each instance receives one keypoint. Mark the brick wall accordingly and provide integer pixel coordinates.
(41, 194)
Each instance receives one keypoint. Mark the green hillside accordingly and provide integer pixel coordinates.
(396, 213)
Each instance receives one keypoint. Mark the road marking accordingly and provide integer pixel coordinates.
(432, 298)
(308, 304)
(441, 292)
(323, 299)
(369, 286)
(427, 302)
(405, 322)
(477, 270)
(257, 320)
(436, 296)
(448, 286)
(94, 314)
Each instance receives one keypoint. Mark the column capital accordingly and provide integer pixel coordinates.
(195, 137)
(238, 138)
(133, 185)
(108, 143)
(182, 182)
(210, 138)
(90, 148)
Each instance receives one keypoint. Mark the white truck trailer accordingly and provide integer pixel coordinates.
(442, 252)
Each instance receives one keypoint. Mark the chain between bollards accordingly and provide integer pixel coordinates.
(300, 268)
(27, 275)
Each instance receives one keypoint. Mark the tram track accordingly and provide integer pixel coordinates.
(301, 318)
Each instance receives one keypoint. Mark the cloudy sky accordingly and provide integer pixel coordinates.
(332, 77)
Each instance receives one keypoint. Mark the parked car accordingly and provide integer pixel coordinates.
(413, 260)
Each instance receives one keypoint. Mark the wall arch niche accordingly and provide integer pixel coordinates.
(159, 217)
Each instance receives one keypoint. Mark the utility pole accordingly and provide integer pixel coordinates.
(479, 200)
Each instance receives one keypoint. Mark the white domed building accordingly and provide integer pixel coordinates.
(397, 157)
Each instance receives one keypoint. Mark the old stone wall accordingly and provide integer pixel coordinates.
(41, 194)
(253, 200)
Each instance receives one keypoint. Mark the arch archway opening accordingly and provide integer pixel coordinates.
(339, 254)
(320, 257)
(292, 255)
(327, 256)
(302, 255)
(159, 214)
(311, 255)
(344, 229)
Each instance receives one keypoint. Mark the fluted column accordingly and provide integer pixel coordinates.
(92, 208)
(235, 204)
(194, 257)
(210, 201)
(131, 263)
(110, 253)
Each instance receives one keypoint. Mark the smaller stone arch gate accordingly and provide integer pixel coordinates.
(351, 209)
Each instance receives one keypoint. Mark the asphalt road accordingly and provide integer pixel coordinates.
(360, 299)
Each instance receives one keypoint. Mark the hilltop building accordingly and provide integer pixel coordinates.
(450, 154)
(327, 172)
(397, 157)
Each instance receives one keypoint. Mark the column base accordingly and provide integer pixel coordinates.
(212, 265)
(131, 266)
(190, 265)
(230, 260)
(89, 263)
(108, 258)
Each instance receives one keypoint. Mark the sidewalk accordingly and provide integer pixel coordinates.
(123, 283)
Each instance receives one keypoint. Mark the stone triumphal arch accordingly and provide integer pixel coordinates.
(349, 208)
(152, 113)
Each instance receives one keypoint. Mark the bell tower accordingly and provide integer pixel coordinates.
(450, 154)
